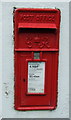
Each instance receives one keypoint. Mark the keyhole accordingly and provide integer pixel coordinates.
(24, 80)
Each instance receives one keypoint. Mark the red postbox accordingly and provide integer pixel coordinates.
(36, 50)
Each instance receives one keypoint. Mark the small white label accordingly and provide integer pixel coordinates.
(36, 76)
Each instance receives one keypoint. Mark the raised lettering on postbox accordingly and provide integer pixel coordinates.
(37, 18)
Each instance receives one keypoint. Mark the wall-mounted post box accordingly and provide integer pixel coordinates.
(36, 51)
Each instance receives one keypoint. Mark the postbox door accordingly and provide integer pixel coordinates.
(34, 97)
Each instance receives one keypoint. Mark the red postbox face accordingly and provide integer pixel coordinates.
(36, 52)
